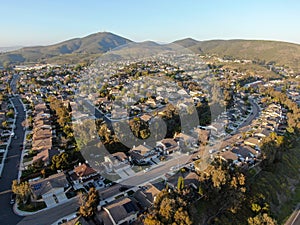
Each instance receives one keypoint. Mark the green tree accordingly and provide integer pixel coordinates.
(223, 187)
(43, 173)
(180, 183)
(152, 219)
(261, 219)
(60, 161)
(170, 207)
(5, 124)
(89, 204)
(181, 217)
(10, 114)
(22, 190)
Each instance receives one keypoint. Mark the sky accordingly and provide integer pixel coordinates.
(36, 22)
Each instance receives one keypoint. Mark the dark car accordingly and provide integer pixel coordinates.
(123, 188)
(91, 185)
(12, 198)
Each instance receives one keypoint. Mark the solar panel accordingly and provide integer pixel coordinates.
(129, 207)
(37, 186)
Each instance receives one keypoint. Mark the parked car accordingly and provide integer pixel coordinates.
(123, 188)
(12, 198)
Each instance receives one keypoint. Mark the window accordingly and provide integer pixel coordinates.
(55, 199)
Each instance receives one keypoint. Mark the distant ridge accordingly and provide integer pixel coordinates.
(92, 46)
(11, 48)
(187, 42)
(283, 53)
(97, 43)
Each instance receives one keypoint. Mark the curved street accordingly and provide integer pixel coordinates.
(11, 168)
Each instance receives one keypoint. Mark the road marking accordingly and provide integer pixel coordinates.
(5, 192)
(294, 220)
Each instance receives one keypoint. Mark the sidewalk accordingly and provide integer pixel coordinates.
(22, 155)
(24, 144)
(293, 219)
(67, 218)
(25, 213)
(9, 140)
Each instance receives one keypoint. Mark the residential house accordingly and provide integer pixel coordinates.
(217, 129)
(145, 197)
(252, 141)
(167, 146)
(42, 135)
(246, 152)
(229, 156)
(81, 174)
(118, 156)
(142, 154)
(45, 155)
(202, 135)
(122, 211)
(51, 190)
(190, 179)
(116, 161)
(146, 117)
(142, 200)
(104, 218)
(262, 133)
(185, 140)
(151, 102)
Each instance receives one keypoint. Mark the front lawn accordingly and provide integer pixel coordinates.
(32, 207)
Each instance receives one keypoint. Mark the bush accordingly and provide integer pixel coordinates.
(32, 207)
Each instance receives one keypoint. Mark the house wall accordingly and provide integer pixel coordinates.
(50, 199)
(128, 219)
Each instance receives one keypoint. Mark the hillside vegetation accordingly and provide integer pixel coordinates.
(75, 49)
(283, 53)
(281, 186)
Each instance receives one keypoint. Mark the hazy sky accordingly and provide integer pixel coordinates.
(36, 22)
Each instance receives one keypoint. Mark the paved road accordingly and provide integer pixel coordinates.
(13, 83)
(52, 215)
(245, 126)
(295, 217)
(156, 172)
(254, 114)
(10, 171)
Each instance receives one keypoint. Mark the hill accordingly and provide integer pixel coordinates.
(92, 46)
(76, 48)
(139, 50)
(8, 49)
(283, 53)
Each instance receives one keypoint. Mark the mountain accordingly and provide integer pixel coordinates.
(92, 46)
(136, 50)
(97, 43)
(8, 49)
(187, 42)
